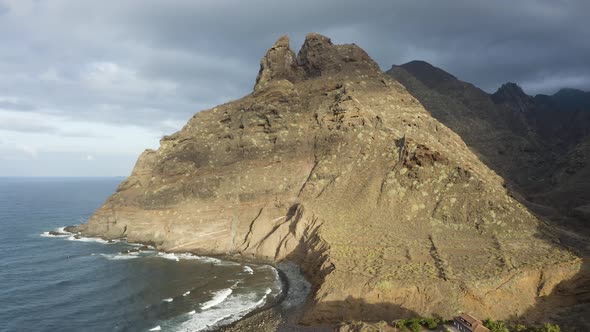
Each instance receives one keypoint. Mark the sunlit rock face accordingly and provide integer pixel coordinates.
(333, 164)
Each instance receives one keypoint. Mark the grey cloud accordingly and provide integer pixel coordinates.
(210, 50)
(171, 59)
(5, 104)
(20, 126)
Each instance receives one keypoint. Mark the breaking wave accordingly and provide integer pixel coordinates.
(234, 308)
(117, 257)
(218, 297)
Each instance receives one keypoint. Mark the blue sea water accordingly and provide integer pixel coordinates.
(50, 283)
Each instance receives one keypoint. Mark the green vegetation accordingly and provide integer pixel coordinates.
(495, 326)
(431, 323)
(498, 326)
(416, 324)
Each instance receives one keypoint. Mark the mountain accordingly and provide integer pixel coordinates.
(536, 143)
(511, 95)
(539, 144)
(500, 136)
(333, 164)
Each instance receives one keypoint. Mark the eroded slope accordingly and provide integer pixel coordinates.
(333, 164)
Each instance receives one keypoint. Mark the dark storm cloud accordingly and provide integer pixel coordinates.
(536, 43)
(172, 58)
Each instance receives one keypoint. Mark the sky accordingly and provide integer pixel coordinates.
(86, 86)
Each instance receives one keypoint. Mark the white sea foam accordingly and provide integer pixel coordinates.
(218, 297)
(262, 301)
(168, 299)
(234, 308)
(192, 312)
(157, 328)
(77, 237)
(168, 256)
(186, 293)
(87, 239)
(117, 257)
(61, 230)
(248, 270)
(178, 256)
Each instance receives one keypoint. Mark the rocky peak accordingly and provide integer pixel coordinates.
(513, 95)
(277, 63)
(428, 74)
(508, 91)
(318, 56)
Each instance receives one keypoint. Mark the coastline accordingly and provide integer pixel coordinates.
(281, 313)
(284, 314)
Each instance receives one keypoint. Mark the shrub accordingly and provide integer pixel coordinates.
(430, 323)
(415, 325)
(550, 328)
(495, 326)
(401, 324)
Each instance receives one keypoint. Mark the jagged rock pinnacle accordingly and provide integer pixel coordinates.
(318, 56)
(277, 63)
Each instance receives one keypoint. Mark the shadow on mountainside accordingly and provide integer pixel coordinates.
(520, 158)
(502, 130)
(354, 309)
(568, 304)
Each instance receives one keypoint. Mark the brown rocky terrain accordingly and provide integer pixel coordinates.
(331, 163)
(541, 147)
(537, 144)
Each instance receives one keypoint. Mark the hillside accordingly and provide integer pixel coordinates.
(541, 147)
(536, 143)
(333, 164)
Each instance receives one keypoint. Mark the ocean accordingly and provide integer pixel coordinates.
(61, 283)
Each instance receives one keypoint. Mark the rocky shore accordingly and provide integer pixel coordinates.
(285, 314)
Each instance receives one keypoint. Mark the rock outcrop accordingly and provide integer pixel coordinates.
(333, 164)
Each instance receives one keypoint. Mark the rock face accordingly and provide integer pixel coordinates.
(501, 137)
(333, 164)
(540, 144)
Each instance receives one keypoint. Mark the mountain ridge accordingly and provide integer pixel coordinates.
(334, 165)
(542, 151)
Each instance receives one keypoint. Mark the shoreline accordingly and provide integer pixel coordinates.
(285, 313)
(273, 315)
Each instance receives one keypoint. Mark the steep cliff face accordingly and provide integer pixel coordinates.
(333, 164)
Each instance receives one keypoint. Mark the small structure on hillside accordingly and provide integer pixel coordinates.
(468, 323)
